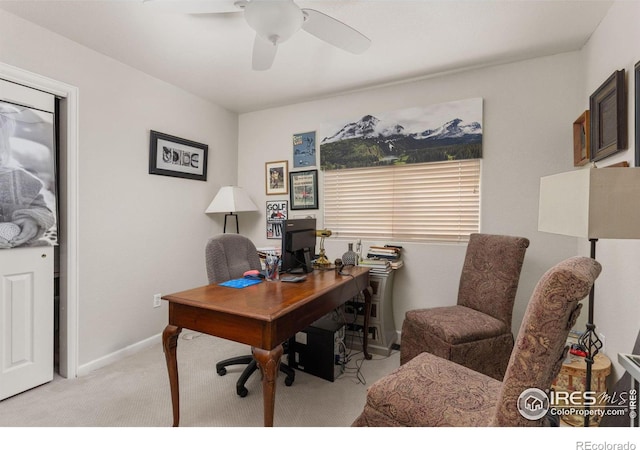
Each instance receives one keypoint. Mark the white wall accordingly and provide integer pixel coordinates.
(529, 108)
(139, 234)
(616, 45)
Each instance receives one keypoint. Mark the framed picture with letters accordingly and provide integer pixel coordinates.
(177, 157)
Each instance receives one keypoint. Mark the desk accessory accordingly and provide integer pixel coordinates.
(350, 258)
(322, 261)
(240, 283)
(272, 267)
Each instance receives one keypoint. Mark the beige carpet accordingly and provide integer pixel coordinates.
(134, 392)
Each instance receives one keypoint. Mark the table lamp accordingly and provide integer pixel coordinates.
(231, 200)
(593, 203)
(322, 261)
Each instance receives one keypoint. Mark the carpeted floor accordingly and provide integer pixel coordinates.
(134, 392)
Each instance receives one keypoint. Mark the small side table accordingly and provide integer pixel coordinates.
(572, 377)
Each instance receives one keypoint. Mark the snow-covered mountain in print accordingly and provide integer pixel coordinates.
(441, 132)
(367, 127)
(370, 127)
(455, 128)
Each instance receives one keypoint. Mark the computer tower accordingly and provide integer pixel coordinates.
(319, 349)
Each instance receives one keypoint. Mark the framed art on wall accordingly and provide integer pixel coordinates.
(177, 157)
(276, 215)
(276, 177)
(581, 141)
(304, 189)
(28, 194)
(304, 149)
(608, 117)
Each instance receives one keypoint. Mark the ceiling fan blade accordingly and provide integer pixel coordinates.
(334, 32)
(264, 52)
(194, 6)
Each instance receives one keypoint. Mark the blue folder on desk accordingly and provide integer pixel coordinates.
(240, 283)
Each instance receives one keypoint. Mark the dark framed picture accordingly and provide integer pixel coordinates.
(276, 215)
(636, 72)
(304, 189)
(608, 117)
(276, 177)
(304, 149)
(581, 141)
(177, 157)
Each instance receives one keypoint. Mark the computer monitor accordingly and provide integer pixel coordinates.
(298, 245)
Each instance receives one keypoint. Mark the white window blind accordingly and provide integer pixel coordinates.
(416, 202)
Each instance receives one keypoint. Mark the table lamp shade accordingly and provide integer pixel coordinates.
(591, 203)
(231, 199)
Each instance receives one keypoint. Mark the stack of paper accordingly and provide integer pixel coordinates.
(391, 253)
(377, 265)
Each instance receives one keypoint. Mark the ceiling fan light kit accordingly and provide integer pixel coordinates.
(275, 21)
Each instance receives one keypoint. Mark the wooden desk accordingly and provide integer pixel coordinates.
(263, 316)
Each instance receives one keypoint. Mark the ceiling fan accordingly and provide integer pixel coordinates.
(275, 21)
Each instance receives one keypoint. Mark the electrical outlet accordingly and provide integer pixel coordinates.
(603, 340)
(157, 300)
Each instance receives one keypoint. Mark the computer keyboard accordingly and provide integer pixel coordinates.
(293, 278)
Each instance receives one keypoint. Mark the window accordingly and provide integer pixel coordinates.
(416, 202)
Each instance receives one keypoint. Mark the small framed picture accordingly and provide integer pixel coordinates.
(177, 157)
(304, 189)
(276, 215)
(581, 141)
(608, 126)
(304, 149)
(276, 176)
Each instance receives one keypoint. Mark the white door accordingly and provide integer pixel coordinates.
(26, 319)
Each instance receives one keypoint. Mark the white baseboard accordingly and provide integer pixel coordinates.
(117, 356)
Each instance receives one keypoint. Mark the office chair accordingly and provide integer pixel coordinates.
(228, 256)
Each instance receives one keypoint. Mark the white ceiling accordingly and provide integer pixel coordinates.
(210, 55)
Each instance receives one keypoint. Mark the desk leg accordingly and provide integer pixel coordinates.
(269, 363)
(367, 314)
(169, 345)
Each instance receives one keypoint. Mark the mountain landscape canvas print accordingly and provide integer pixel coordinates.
(442, 132)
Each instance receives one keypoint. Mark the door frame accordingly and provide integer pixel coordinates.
(69, 261)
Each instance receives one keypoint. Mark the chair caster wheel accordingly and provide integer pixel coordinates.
(242, 392)
(222, 371)
(288, 381)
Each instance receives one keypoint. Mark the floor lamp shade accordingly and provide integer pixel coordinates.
(230, 200)
(592, 203)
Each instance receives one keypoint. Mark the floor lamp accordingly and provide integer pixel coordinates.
(592, 204)
(231, 200)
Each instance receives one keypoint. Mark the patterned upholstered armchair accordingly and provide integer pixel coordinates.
(432, 391)
(476, 332)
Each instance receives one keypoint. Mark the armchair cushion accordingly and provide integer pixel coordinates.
(430, 391)
(444, 323)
